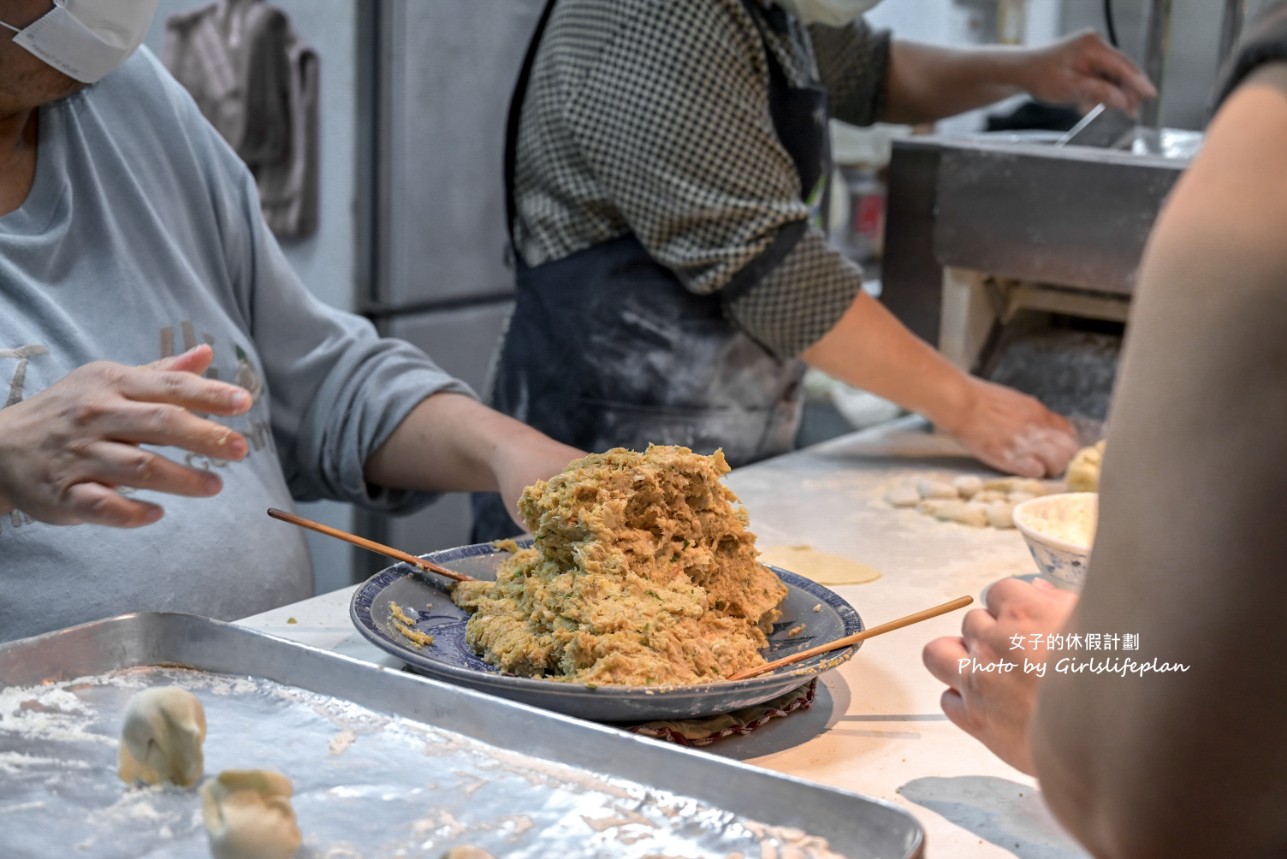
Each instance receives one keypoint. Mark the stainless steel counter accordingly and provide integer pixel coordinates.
(876, 727)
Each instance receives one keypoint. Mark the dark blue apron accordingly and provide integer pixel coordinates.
(606, 348)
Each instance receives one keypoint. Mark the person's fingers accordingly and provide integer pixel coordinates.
(953, 706)
(195, 360)
(1092, 91)
(978, 626)
(1005, 591)
(1055, 455)
(187, 390)
(125, 465)
(942, 657)
(1117, 67)
(1042, 450)
(96, 504)
(1020, 464)
(171, 426)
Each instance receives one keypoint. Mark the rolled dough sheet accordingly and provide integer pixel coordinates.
(822, 567)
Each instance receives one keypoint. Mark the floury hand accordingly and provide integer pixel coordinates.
(65, 451)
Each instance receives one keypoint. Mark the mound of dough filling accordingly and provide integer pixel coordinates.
(642, 573)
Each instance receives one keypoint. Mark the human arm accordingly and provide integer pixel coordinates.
(869, 348)
(65, 452)
(930, 82)
(451, 442)
(1189, 549)
(374, 420)
(1189, 543)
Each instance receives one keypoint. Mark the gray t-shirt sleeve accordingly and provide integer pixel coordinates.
(337, 390)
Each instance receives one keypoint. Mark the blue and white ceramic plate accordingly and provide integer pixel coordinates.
(819, 613)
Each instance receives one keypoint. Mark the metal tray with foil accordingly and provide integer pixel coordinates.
(384, 762)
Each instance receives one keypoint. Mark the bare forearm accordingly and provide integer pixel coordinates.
(1012, 432)
(1190, 537)
(870, 349)
(449, 443)
(928, 82)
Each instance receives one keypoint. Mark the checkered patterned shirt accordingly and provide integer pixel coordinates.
(651, 117)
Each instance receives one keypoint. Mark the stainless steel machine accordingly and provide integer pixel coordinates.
(1017, 254)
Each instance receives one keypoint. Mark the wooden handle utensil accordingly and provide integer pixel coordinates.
(959, 602)
(371, 545)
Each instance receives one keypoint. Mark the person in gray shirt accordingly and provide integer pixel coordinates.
(161, 365)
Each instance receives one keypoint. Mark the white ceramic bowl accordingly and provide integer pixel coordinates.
(1060, 530)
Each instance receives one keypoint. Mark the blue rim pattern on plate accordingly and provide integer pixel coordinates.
(425, 598)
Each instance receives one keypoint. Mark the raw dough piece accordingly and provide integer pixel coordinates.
(968, 486)
(1083, 471)
(822, 567)
(161, 737)
(955, 510)
(937, 489)
(248, 815)
(467, 851)
(968, 499)
(1027, 485)
(1000, 514)
(903, 495)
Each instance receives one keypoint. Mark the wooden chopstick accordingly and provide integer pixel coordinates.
(959, 602)
(378, 548)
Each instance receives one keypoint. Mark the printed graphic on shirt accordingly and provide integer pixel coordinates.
(247, 375)
(258, 432)
(23, 354)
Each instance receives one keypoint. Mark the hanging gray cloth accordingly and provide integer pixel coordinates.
(257, 82)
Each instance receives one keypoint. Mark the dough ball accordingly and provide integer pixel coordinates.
(955, 510)
(467, 851)
(162, 736)
(903, 495)
(968, 486)
(936, 489)
(1011, 485)
(1083, 471)
(248, 815)
(1000, 514)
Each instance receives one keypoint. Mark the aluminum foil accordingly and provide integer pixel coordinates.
(366, 784)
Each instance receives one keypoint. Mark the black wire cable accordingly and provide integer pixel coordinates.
(1108, 22)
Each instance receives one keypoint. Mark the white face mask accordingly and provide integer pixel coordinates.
(834, 13)
(86, 39)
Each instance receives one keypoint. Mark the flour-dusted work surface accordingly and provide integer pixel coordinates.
(875, 727)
